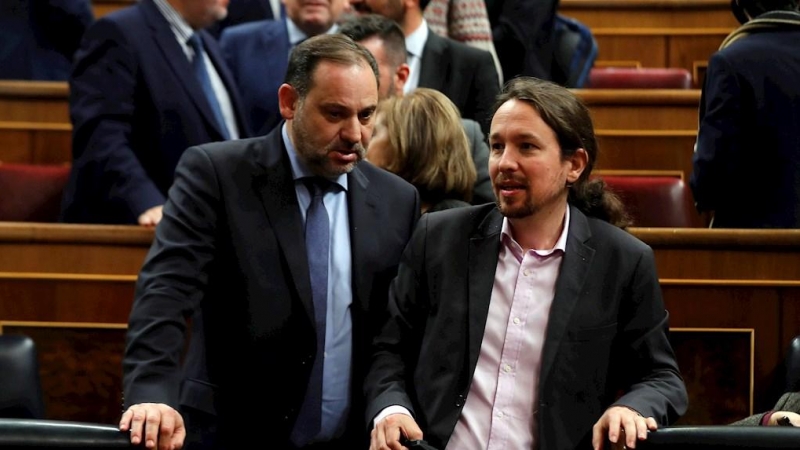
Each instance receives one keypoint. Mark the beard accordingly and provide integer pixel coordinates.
(318, 160)
(526, 209)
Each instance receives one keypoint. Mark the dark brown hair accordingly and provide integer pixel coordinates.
(335, 48)
(569, 119)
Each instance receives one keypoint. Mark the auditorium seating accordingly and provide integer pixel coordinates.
(37, 191)
(639, 78)
(20, 385)
(720, 437)
(27, 434)
(654, 199)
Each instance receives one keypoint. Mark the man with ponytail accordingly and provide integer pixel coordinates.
(536, 322)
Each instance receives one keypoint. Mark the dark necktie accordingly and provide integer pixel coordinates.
(317, 250)
(199, 66)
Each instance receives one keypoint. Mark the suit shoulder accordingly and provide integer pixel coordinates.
(384, 177)
(606, 233)
(247, 30)
(467, 218)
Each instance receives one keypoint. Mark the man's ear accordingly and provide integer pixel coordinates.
(577, 164)
(401, 77)
(287, 101)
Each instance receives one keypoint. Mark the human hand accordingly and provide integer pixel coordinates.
(151, 217)
(621, 420)
(794, 418)
(387, 433)
(162, 425)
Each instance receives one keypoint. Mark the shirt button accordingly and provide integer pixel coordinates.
(507, 368)
(500, 415)
(526, 272)
(516, 321)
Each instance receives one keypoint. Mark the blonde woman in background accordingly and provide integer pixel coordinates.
(419, 137)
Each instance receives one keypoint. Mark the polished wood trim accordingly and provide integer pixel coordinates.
(647, 97)
(35, 126)
(728, 283)
(67, 276)
(628, 64)
(639, 173)
(130, 235)
(728, 239)
(37, 324)
(643, 4)
(661, 32)
(645, 133)
(38, 89)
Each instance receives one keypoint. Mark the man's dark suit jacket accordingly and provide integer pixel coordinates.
(258, 55)
(135, 106)
(607, 329)
(230, 254)
(38, 38)
(482, 192)
(747, 159)
(466, 75)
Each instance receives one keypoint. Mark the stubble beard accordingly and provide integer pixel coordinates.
(319, 161)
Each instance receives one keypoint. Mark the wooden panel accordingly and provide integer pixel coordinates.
(650, 13)
(34, 101)
(705, 353)
(643, 109)
(691, 52)
(647, 51)
(35, 143)
(646, 150)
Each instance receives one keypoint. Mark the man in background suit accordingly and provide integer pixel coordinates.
(384, 39)
(466, 75)
(39, 37)
(243, 11)
(231, 255)
(258, 53)
(519, 324)
(136, 104)
(747, 157)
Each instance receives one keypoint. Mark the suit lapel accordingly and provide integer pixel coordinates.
(572, 275)
(178, 62)
(433, 69)
(279, 198)
(484, 248)
(212, 50)
(361, 206)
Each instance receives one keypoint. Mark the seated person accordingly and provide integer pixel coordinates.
(419, 136)
(785, 410)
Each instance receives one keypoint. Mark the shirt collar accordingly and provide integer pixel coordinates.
(299, 169)
(176, 22)
(415, 42)
(511, 243)
(296, 35)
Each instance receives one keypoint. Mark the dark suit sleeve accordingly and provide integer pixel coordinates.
(171, 283)
(645, 360)
(482, 192)
(718, 139)
(103, 89)
(399, 341)
(485, 87)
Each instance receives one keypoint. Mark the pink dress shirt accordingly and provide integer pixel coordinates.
(500, 410)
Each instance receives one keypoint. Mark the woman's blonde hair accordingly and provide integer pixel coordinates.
(428, 146)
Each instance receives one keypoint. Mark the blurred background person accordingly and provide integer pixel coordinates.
(465, 74)
(38, 38)
(384, 38)
(747, 157)
(419, 137)
(258, 54)
(148, 83)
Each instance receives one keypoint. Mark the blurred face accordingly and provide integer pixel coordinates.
(392, 9)
(315, 16)
(385, 69)
(201, 13)
(528, 174)
(331, 127)
(379, 152)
